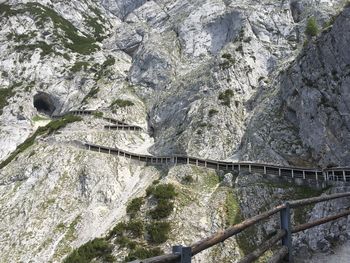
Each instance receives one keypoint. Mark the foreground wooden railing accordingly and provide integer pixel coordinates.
(284, 234)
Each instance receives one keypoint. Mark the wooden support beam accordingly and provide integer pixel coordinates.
(279, 255)
(320, 222)
(229, 232)
(313, 200)
(251, 257)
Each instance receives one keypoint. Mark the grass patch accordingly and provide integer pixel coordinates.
(163, 209)
(225, 97)
(233, 213)
(64, 31)
(48, 129)
(142, 253)
(162, 191)
(92, 94)
(134, 207)
(5, 94)
(228, 61)
(122, 103)
(39, 118)
(212, 112)
(97, 248)
(311, 29)
(79, 65)
(158, 232)
(98, 114)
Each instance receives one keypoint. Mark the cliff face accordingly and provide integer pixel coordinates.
(209, 78)
(308, 105)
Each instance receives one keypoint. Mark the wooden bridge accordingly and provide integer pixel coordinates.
(315, 174)
(117, 124)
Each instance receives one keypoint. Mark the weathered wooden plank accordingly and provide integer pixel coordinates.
(319, 222)
(264, 247)
(229, 232)
(279, 256)
(313, 200)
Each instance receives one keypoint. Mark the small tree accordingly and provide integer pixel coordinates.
(311, 27)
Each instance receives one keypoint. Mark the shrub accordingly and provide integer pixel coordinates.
(162, 210)
(212, 112)
(79, 65)
(158, 232)
(134, 206)
(92, 249)
(188, 179)
(92, 93)
(118, 230)
(135, 228)
(225, 97)
(164, 191)
(5, 94)
(125, 242)
(142, 253)
(98, 114)
(311, 29)
(122, 103)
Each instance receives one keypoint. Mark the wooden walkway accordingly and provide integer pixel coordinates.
(331, 174)
(316, 174)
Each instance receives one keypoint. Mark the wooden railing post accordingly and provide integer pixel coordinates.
(286, 225)
(185, 253)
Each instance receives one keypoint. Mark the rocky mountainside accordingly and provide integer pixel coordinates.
(217, 79)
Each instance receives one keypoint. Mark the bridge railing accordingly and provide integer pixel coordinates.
(314, 174)
(284, 234)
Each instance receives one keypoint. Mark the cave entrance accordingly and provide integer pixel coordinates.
(44, 103)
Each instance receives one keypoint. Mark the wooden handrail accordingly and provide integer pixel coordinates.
(264, 247)
(320, 222)
(279, 255)
(223, 235)
(313, 200)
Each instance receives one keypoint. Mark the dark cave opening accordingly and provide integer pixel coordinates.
(44, 103)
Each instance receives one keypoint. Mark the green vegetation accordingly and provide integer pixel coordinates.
(142, 253)
(212, 112)
(104, 69)
(122, 103)
(79, 65)
(162, 210)
(46, 49)
(5, 94)
(92, 94)
(135, 228)
(233, 213)
(97, 248)
(158, 232)
(98, 114)
(39, 118)
(225, 97)
(228, 61)
(48, 129)
(188, 179)
(162, 191)
(134, 207)
(311, 29)
(64, 30)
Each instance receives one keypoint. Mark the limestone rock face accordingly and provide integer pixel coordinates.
(308, 109)
(209, 78)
